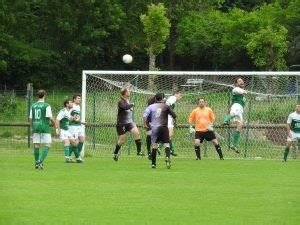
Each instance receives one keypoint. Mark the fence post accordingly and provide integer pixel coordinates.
(29, 102)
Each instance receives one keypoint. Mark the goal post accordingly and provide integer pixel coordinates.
(271, 97)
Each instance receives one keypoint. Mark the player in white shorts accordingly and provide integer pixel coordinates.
(236, 112)
(293, 131)
(40, 117)
(62, 121)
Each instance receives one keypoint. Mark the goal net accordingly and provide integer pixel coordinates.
(271, 97)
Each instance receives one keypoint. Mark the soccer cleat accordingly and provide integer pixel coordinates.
(234, 149)
(153, 166)
(174, 154)
(198, 158)
(116, 157)
(79, 160)
(36, 165)
(69, 160)
(40, 166)
(226, 123)
(140, 154)
(168, 162)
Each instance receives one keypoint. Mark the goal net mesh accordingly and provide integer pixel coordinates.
(271, 98)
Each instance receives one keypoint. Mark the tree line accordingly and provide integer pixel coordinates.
(50, 42)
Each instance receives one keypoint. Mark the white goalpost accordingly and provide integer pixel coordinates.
(271, 97)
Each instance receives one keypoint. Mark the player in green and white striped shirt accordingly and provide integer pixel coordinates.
(293, 131)
(236, 112)
(40, 117)
(62, 121)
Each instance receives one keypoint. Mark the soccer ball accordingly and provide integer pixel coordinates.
(127, 58)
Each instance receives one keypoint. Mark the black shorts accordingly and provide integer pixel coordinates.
(160, 134)
(123, 128)
(207, 135)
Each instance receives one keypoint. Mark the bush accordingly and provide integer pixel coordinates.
(8, 103)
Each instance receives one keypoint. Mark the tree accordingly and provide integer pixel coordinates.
(157, 28)
(267, 47)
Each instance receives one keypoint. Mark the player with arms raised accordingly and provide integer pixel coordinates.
(236, 112)
(158, 113)
(293, 130)
(125, 124)
(40, 117)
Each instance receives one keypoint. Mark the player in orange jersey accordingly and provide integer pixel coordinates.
(203, 118)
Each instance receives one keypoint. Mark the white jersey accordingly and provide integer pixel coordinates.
(171, 101)
(294, 121)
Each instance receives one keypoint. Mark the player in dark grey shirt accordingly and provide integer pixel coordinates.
(125, 124)
(158, 113)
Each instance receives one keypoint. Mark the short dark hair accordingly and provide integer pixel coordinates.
(66, 102)
(75, 96)
(159, 96)
(41, 93)
(201, 98)
(236, 79)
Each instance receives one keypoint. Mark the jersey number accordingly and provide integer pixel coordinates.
(157, 113)
(37, 114)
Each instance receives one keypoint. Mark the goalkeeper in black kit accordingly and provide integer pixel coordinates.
(125, 123)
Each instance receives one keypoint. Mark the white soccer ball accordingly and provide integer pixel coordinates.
(127, 58)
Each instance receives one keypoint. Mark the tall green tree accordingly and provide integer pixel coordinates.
(157, 28)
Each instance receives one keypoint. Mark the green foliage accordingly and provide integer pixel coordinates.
(42, 41)
(156, 27)
(8, 105)
(267, 47)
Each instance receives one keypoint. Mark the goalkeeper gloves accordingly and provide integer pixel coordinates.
(211, 127)
(191, 129)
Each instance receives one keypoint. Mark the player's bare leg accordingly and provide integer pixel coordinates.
(137, 138)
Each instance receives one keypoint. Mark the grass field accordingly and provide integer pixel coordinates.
(101, 191)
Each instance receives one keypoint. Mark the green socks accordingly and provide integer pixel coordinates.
(67, 151)
(36, 153)
(44, 153)
(227, 118)
(235, 138)
(285, 154)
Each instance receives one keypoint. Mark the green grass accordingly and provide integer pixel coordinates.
(101, 191)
